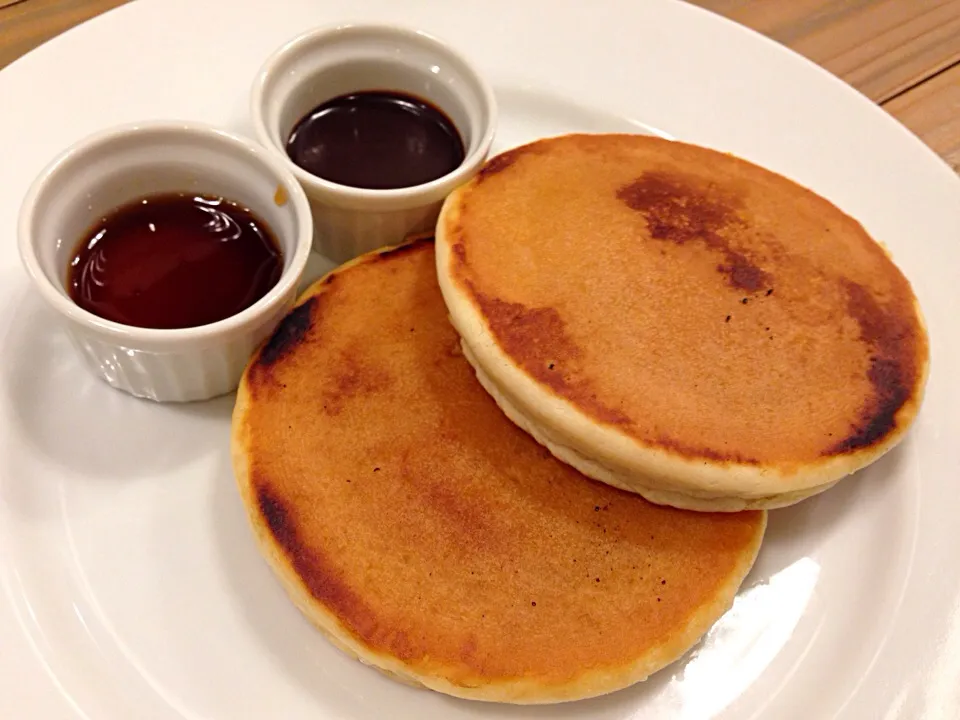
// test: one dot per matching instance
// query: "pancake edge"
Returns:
(649, 491)
(604, 453)
(522, 690)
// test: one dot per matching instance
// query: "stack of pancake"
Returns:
(684, 327)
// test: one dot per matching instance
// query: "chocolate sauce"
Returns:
(376, 140)
(174, 261)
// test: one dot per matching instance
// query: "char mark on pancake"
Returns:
(891, 334)
(679, 212)
(324, 581)
(537, 340)
(501, 162)
(289, 333)
(410, 245)
(704, 452)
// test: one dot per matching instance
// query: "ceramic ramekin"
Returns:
(116, 166)
(328, 62)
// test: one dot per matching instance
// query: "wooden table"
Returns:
(902, 54)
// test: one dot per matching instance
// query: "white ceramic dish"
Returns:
(326, 62)
(118, 165)
(130, 585)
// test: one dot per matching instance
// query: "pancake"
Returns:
(678, 322)
(428, 536)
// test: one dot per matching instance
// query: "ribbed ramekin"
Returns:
(116, 166)
(326, 62)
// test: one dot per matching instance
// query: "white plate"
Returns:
(131, 585)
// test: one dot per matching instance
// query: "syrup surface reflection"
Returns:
(174, 261)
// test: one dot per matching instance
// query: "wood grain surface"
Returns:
(932, 111)
(902, 54)
(28, 23)
(881, 47)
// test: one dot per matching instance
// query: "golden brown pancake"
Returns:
(428, 536)
(679, 322)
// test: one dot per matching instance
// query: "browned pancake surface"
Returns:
(698, 303)
(433, 529)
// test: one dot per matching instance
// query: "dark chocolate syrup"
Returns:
(376, 140)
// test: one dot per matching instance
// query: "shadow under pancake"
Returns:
(626, 703)
(73, 418)
(800, 530)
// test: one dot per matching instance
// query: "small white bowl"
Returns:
(325, 63)
(117, 166)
